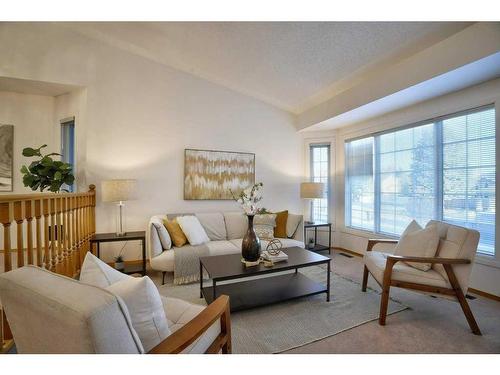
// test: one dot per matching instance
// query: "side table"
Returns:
(318, 247)
(129, 236)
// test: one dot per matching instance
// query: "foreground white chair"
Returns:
(50, 313)
(449, 275)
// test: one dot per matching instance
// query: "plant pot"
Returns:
(120, 266)
(250, 246)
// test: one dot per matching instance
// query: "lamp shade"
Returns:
(311, 190)
(119, 190)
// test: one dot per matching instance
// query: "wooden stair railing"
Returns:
(63, 223)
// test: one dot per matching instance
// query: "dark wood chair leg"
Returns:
(461, 299)
(384, 303)
(386, 286)
(163, 278)
(365, 279)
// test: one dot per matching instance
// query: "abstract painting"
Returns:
(210, 175)
(6, 156)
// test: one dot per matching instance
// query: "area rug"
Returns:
(283, 326)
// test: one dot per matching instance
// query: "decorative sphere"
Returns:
(274, 246)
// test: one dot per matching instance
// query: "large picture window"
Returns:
(442, 169)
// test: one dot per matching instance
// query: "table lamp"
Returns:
(310, 191)
(119, 191)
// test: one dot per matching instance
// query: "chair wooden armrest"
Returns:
(186, 335)
(432, 260)
(373, 241)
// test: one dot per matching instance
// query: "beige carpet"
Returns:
(283, 326)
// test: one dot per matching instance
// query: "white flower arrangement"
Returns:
(249, 197)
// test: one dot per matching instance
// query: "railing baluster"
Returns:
(18, 217)
(53, 243)
(29, 228)
(38, 233)
(46, 217)
(58, 238)
(6, 221)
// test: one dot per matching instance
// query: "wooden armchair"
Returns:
(50, 313)
(449, 275)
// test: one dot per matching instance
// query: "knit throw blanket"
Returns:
(187, 263)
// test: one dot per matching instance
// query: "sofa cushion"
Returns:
(145, 308)
(292, 224)
(375, 262)
(236, 224)
(286, 242)
(418, 242)
(165, 240)
(176, 234)
(97, 273)
(193, 230)
(214, 225)
(222, 247)
(164, 262)
(179, 312)
(280, 228)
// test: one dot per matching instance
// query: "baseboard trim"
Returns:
(470, 290)
(348, 251)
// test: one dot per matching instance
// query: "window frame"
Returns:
(312, 146)
(484, 258)
(68, 123)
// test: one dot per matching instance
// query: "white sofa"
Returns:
(225, 230)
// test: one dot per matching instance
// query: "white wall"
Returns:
(140, 116)
(486, 271)
(32, 117)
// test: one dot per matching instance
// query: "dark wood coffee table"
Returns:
(262, 291)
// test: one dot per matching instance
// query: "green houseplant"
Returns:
(45, 172)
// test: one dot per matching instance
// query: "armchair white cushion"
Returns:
(145, 307)
(97, 273)
(179, 313)
(375, 262)
(418, 242)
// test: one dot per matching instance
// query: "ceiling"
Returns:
(291, 65)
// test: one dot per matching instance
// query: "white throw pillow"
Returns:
(193, 230)
(165, 240)
(145, 307)
(418, 242)
(97, 273)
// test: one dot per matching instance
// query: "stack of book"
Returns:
(281, 257)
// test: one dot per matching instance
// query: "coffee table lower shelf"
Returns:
(264, 291)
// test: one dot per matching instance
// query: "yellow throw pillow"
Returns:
(280, 228)
(176, 234)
